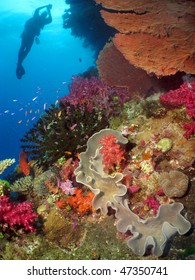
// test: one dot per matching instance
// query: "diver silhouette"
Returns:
(32, 29)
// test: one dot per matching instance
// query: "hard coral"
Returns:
(113, 154)
(5, 164)
(174, 183)
(17, 214)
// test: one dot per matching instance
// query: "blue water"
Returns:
(49, 67)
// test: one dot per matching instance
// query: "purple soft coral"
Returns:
(67, 187)
(94, 93)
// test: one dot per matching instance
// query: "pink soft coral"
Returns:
(113, 154)
(17, 214)
(152, 203)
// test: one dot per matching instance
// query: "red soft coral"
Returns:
(113, 154)
(190, 129)
(17, 214)
(185, 95)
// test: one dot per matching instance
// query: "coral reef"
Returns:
(109, 191)
(4, 164)
(86, 23)
(145, 37)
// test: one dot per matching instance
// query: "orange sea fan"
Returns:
(23, 163)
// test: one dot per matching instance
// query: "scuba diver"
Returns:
(32, 29)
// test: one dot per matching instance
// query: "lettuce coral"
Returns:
(110, 192)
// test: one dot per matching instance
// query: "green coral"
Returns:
(23, 184)
(4, 187)
(61, 129)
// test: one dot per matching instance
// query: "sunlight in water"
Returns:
(28, 6)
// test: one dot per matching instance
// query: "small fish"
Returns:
(80, 60)
(34, 98)
(44, 106)
(6, 111)
(73, 126)
(68, 152)
(15, 100)
(19, 121)
(33, 118)
(21, 109)
(30, 111)
(59, 114)
(57, 101)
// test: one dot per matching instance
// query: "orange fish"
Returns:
(23, 163)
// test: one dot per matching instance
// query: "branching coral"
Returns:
(61, 131)
(5, 164)
(109, 191)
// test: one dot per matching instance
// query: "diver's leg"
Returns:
(23, 52)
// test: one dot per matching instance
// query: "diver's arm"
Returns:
(36, 13)
(49, 18)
